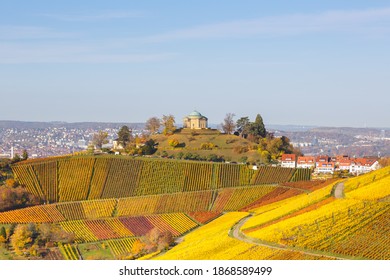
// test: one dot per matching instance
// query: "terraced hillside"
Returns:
(110, 204)
(89, 178)
(314, 225)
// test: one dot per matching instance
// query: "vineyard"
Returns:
(311, 225)
(108, 204)
(211, 242)
(90, 178)
(216, 201)
(123, 227)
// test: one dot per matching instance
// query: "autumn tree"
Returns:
(168, 122)
(21, 238)
(385, 161)
(12, 197)
(53, 233)
(138, 248)
(228, 124)
(11, 183)
(100, 138)
(157, 240)
(153, 125)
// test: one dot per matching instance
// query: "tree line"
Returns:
(270, 147)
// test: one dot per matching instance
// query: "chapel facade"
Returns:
(195, 120)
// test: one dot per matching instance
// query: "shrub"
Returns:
(180, 155)
(244, 159)
(11, 183)
(173, 142)
(207, 146)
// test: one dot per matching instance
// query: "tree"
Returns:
(157, 240)
(11, 183)
(16, 158)
(21, 238)
(3, 235)
(138, 248)
(385, 161)
(169, 124)
(124, 135)
(100, 138)
(24, 155)
(12, 197)
(228, 124)
(243, 125)
(153, 124)
(53, 233)
(149, 148)
(91, 148)
(257, 128)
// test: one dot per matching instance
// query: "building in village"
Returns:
(306, 162)
(327, 164)
(288, 160)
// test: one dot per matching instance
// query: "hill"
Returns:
(206, 143)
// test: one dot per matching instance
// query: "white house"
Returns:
(363, 165)
(324, 164)
(306, 162)
(325, 167)
(288, 160)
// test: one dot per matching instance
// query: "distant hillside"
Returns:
(77, 125)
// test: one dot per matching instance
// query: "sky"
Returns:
(321, 63)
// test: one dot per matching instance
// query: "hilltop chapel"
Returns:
(195, 120)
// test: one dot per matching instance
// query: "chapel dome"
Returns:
(195, 114)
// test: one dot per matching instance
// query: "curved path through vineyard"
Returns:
(237, 234)
(339, 190)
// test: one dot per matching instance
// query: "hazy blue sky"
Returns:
(296, 62)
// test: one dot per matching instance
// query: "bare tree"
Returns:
(99, 139)
(228, 124)
(153, 124)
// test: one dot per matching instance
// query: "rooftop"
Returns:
(195, 114)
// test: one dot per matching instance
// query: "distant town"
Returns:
(52, 139)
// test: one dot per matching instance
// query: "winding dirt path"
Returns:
(339, 190)
(237, 234)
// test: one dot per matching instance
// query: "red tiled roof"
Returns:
(323, 159)
(325, 164)
(288, 157)
(364, 161)
(303, 160)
